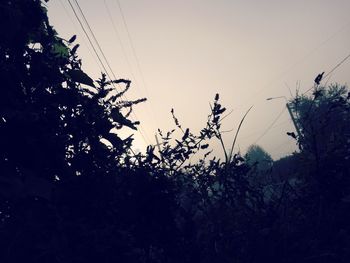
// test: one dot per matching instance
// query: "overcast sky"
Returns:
(188, 50)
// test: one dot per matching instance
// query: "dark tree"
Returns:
(256, 155)
(323, 120)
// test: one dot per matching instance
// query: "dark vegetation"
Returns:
(73, 191)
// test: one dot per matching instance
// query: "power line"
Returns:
(95, 51)
(279, 76)
(132, 45)
(75, 26)
(257, 132)
(119, 38)
(125, 53)
(141, 131)
(296, 63)
(110, 68)
(88, 37)
(329, 77)
(270, 126)
(95, 39)
(138, 64)
(331, 71)
(338, 65)
(286, 142)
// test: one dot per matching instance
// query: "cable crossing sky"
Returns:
(144, 136)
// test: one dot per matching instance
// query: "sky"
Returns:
(179, 54)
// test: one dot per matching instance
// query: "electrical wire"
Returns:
(67, 13)
(286, 142)
(138, 64)
(295, 64)
(88, 37)
(270, 126)
(331, 71)
(95, 39)
(257, 132)
(118, 38)
(95, 51)
(125, 55)
(279, 76)
(75, 26)
(145, 137)
(337, 66)
(132, 45)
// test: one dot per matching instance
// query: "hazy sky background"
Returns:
(188, 50)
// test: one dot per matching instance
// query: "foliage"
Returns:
(285, 167)
(257, 156)
(324, 123)
(52, 125)
(72, 190)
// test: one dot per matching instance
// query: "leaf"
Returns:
(206, 154)
(128, 141)
(222, 110)
(179, 143)
(118, 117)
(114, 140)
(74, 49)
(204, 146)
(60, 50)
(79, 76)
(72, 39)
(187, 132)
(292, 134)
(44, 9)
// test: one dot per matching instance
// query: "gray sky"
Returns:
(188, 50)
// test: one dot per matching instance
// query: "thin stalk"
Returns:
(236, 135)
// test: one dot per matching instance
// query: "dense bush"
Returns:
(71, 190)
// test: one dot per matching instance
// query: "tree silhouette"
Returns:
(324, 119)
(256, 155)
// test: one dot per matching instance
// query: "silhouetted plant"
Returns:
(324, 124)
(72, 190)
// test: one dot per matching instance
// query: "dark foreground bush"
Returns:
(72, 190)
